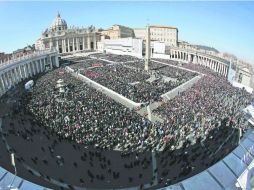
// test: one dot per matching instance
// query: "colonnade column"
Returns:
(37, 66)
(25, 70)
(13, 77)
(212, 66)
(94, 42)
(33, 68)
(189, 57)
(10, 78)
(3, 84)
(8, 74)
(5, 80)
(83, 43)
(57, 45)
(29, 69)
(20, 72)
(68, 43)
(41, 65)
(217, 67)
(88, 42)
(224, 70)
(17, 75)
(77, 43)
(73, 44)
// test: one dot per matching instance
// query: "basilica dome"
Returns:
(59, 24)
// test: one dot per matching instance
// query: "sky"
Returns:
(226, 26)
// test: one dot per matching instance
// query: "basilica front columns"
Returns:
(68, 42)
(83, 43)
(63, 46)
(78, 44)
(88, 43)
(56, 61)
(57, 45)
(73, 45)
(94, 42)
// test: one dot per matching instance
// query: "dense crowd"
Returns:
(133, 84)
(85, 64)
(129, 78)
(200, 124)
(166, 70)
(204, 106)
(191, 114)
(115, 58)
(87, 116)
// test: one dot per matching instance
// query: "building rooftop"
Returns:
(161, 26)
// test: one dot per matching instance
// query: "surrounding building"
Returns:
(17, 53)
(68, 40)
(124, 46)
(185, 45)
(166, 34)
(117, 31)
(140, 33)
(4, 57)
(23, 51)
(243, 76)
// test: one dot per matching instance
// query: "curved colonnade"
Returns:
(14, 71)
(215, 63)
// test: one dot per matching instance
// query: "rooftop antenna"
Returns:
(147, 56)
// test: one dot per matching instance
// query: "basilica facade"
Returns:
(68, 39)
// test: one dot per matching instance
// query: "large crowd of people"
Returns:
(88, 116)
(129, 78)
(204, 106)
(200, 125)
(115, 58)
(133, 84)
(91, 118)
